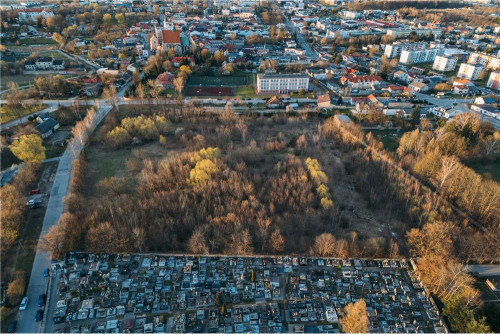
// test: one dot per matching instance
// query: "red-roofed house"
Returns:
(165, 80)
(361, 81)
(178, 61)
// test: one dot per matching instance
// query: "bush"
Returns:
(15, 290)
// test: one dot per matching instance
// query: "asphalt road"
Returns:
(309, 51)
(485, 269)
(38, 284)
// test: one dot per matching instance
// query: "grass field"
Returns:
(37, 40)
(8, 114)
(21, 80)
(390, 138)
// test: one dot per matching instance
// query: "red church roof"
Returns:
(171, 36)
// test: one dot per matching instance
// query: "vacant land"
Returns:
(200, 182)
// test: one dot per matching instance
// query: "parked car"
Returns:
(34, 191)
(39, 315)
(12, 327)
(24, 304)
(41, 300)
(46, 272)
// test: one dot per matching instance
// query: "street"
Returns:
(309, 51)
(37, 283)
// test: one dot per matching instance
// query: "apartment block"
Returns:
(470, 71)
(420, 56)
(494, 81)
(394, 50)
(282, 83)
(444, 64)
(491, 62)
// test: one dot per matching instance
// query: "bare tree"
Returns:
(179, 84)
(277, 241)
(197, 244)
(324, 245)
(449, 165)
(110, 94)
(139, 90)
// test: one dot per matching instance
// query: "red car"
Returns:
(34, 191)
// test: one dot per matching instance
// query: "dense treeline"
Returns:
(398, 4)
(435, 156)
(13, 204)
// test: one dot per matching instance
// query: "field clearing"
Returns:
(21, 80)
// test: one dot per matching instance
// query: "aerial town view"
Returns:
(236, 166)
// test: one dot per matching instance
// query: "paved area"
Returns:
(485, 270)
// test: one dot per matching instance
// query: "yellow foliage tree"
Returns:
(28, 148)
(355, 319)
(203, 171)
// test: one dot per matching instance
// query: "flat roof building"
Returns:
(282, 83)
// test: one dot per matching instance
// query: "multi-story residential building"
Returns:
(494, 81)
(394, 50)
(491, 62)
(470, 71)
(32, 14)
(420, 56)
(44, 64)
(444, 64)
(282, 83)
(222, 3)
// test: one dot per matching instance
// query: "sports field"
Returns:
(196, 80)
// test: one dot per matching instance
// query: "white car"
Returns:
(24, 304)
